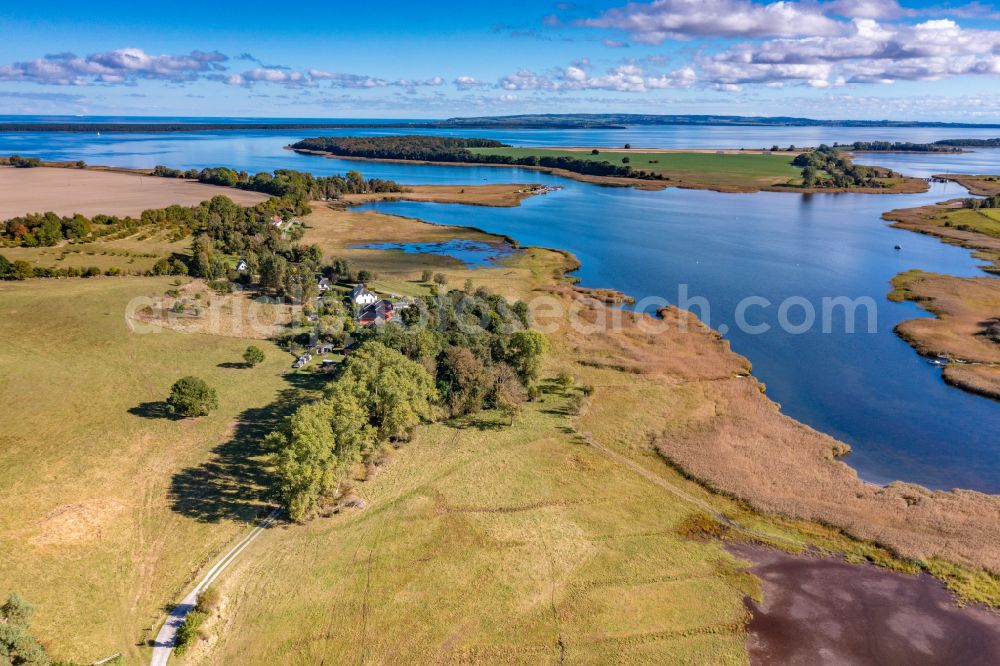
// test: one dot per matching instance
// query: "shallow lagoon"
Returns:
(474, 254)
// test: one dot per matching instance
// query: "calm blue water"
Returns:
(869, 389)
(473, 254)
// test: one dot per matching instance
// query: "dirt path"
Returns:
(163, 647)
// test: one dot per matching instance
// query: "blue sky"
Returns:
(837, 58)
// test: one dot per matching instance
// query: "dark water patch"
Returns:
(819, 611)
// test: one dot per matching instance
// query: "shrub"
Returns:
(191, 396)
(24, 162)
(253, 356)
(187, 632)
(208, 600)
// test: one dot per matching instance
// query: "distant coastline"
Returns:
(521, 122)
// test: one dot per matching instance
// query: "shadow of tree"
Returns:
(233, 366)
(154, 410)
(235, 482)
(480, 424)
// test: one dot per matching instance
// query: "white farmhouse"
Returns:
(361, 296)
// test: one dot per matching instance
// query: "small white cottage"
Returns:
(361, 296)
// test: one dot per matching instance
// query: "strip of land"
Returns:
(93, 192)
(721, 171)
(965, 335)
(965, 331)
(502, 195)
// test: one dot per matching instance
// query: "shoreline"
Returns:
(909, 185)
(776, 465)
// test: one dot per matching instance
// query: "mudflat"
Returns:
(92, 192)
(819, 610)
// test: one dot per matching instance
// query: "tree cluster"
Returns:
(452, 354)
(898, 147)
(453, 149)
(970, 143)
(23, 162)
(477, 347)
(380, 396)
(17, 645)
(826, 168)
(986, 202)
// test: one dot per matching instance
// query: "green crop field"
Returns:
(984, 220)
(723, 168)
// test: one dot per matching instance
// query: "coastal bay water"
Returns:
(869, 389)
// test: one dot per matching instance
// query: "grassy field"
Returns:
(729, 168)
(562, 538)
(135, 253)
(984, 220)
(110, 508)
(480, 542)
(483, 543)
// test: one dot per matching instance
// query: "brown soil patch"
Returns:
(738, 442)
(73, 524)
(818, 611)
(91, 191)
(502, 195)
(236, 315)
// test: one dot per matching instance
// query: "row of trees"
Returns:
(286, 182)
(987, 202)
(450, 355)
(452, 149)
(898, 147)
(22, 270)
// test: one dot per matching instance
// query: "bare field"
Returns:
(91, 192)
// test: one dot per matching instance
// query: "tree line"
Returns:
(285, 182)
(453, 149)
(986, 202)
(452, 354)
(899, 147)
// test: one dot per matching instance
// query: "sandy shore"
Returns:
(91, 192)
